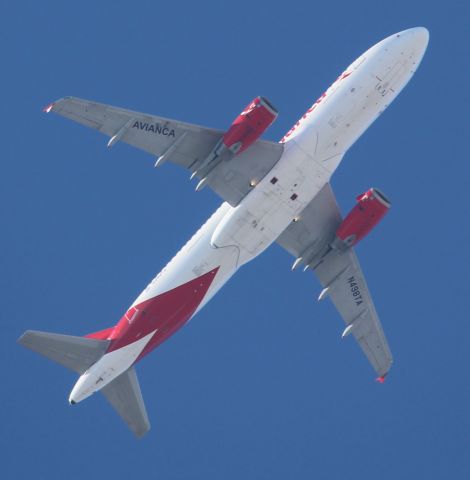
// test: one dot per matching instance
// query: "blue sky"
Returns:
(259, 385)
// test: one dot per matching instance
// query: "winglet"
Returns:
(48, 108)
(380, 379)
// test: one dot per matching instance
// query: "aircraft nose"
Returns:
(421, 36)
(418, 36)
(420, 31)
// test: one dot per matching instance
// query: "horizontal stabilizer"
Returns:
(75, 353)
(125, 396)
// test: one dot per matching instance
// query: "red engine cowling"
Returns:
(370, 208)
(250, 125)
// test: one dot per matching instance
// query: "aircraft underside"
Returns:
(272, 192)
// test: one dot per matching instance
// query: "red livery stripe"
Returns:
(165, 313)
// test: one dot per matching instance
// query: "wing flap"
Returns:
(125, 397)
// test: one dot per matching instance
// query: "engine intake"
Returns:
(250, 125)
(370, 209)
(246, 128)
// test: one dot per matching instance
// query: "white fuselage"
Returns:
(313, 150)
(235, 235)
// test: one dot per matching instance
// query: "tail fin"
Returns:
(102, 334)
(79, 354)
(124, 395)
(75, 353)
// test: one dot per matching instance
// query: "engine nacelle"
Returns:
(249, 125)
(370, 208)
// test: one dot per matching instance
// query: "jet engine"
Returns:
(246, 128)
(250, 125)
(370, 208)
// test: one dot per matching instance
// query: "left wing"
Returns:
(339, 272)
(182, 143)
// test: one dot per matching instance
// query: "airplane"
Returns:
(273, 192)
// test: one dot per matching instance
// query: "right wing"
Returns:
(182, 143)
(343, 281)
(309, 240)
(125, 397)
